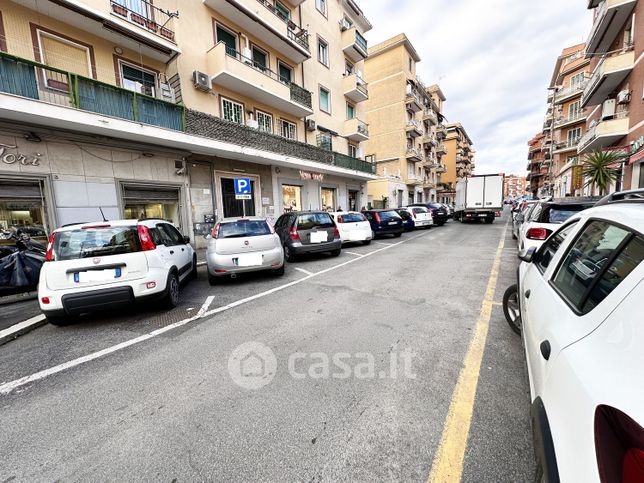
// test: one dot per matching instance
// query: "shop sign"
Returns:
(637, 145)
(577, 178)
(308, 176)
(11, 158)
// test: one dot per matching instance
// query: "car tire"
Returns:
(289, 255)
(171, 298)
(61, 321)
(278, 272)
(212, 280)
(511, 309)
(336, 253)
(398, 235)
(366, 242)
(489, 220)
(441, 223)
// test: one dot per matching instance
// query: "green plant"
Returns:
(599, 170)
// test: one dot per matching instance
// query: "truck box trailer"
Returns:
(479, 197)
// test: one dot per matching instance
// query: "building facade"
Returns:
(537, 167)
(152, 110)
(614, 95)
(514, 186)
(458, 160)
(405, 124)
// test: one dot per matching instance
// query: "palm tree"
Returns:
(599, 171)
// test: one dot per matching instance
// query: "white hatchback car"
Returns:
(421, 216)
(243, 245)
(353, 227)
(103, 265)
(580, 306)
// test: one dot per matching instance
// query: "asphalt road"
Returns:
(165, 406)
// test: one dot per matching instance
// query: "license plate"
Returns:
(319, 236)
(393, 222)
(482, 215)
(249, 260)
(97, 275)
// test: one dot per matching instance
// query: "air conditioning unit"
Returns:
(608, 108)
(201, 81)
(624, 97)
(252, 123)
(166, 92)
(310, 125)
(344, 24)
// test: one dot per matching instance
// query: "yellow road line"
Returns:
(448, 461)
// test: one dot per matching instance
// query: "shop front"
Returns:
(23, 208)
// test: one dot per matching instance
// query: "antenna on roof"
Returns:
(102, 214)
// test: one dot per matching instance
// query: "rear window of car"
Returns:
(243, 229)
(436, 206)
(352, 217)
(96, 242)
(419, 210)
(313, 220)
(388, 216)
(559, 214)
(404, 214)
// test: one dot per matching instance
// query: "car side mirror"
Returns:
(527, 255)
(520, 218)
(186, 239)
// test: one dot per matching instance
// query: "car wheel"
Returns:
(366, 242)
(61, 321)
(288, 254)
(441, 223)
(172, 292)
(398, 235)
(212, 280)
(489, 220)
(511, 308)
(336, 253)
(279, 271)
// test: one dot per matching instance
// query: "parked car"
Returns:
(519, 214)
(353, 227)
(449, 209)
(97, 266)
(408, 221)
(241, 246)
(385, 222)
(546, 216)
(420, 216)
(304, 232)
(438, 212)
(578, 305)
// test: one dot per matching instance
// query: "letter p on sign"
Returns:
(242, 186)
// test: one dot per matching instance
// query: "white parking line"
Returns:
(306, 272)
(8, 387)
(353, 253)
(383, 243)
(206, 305)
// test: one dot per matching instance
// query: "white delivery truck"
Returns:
(479, 197)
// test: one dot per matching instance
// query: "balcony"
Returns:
(148, 31)
(575, 118)
(428, 184)
(608, 75)
(413, 180)
(233, 71)
(609, 20)
(36, 81)
(414, 128)
(414, 154)
(429, 139)
(605, 133)
(266, 23)
(430, 115)
(413, 100)
(355, 88)
(356, 130)
(441, 169)
(348, 162)
(441, 132)
(354, 45)
(569, 92)
(441, 149)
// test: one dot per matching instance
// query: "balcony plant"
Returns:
(119, 10)
(599, 170)
(151, 25)
(167, 33)
(136, 18)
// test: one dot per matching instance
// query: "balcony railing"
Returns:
(568, 91)
(38, 81)
(344, 161)
(414, 153)
(440, 148)
(430, 115)
(146, 16)
(295, 33)
(416, 124)
(571, 118)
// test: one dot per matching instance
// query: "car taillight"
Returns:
(619, 444)
(339, 218)
(336, 232)
(145, 238)
(537, 234)
(215, 231)
(377, 217)
(49, 255)
(294, 234)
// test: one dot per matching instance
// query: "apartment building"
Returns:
(153, 110)
(537, 167)
(565, 121)
(403, 116)
(514, 186)
(458, 160)
(613, 95)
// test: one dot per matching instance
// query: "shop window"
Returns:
(151, 202)
(232, 111)
(138, 80)
(22, 210)
(291, 198)
(328, 199)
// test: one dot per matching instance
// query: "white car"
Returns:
(243, 245)
(103, 265)
(580, 313)
(353, 227)
(519, 215)
(421, 216)
(546, 216)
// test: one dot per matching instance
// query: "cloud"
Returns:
(492, 59)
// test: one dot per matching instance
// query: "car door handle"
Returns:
(545, 349)
(183, 249)
(527, 294)
(171, 252)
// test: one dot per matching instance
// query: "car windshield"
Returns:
(96, 242)
(352, 217)
(559, 214)
(388, 216)
(243, 229)
(312, 220)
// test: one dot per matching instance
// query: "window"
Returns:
(291, 198)
(260, 58)
(224, 35)
(351, 111)
(323, 52)
(232, 111)
(137, 6)
(577, 80)
(587, 261)
(328, 199)
(265, 121)
(170, 235)
(573, 136)
(574, 110)
(325, 100)
(96, 242)
(348, 68)
(550, 247)
(411, 64)
(285, 72)
(288, 129)
(282, 11)
(63, 54)
(321, 6)
(138, 80)
(353, 150)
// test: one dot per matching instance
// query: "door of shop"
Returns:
(22, 209)
(234, 208)
(151, 201)
(353, 200)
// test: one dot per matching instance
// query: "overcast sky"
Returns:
(493, 60)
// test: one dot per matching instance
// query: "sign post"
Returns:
(243, 191)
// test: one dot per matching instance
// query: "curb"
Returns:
(20, 328)
(19, 297)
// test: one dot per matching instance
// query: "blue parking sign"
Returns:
(242, 186)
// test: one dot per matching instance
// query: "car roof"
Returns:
(240, 218)
(130, 222)
(630, 215)
(379, 210)
(311, 212)
(344, 213)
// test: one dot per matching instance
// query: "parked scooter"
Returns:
(20, 264)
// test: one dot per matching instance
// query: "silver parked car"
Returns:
(243, 245)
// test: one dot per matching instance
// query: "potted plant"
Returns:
(119, 9)
(136, 18)
(167, 33)
(151, 25)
